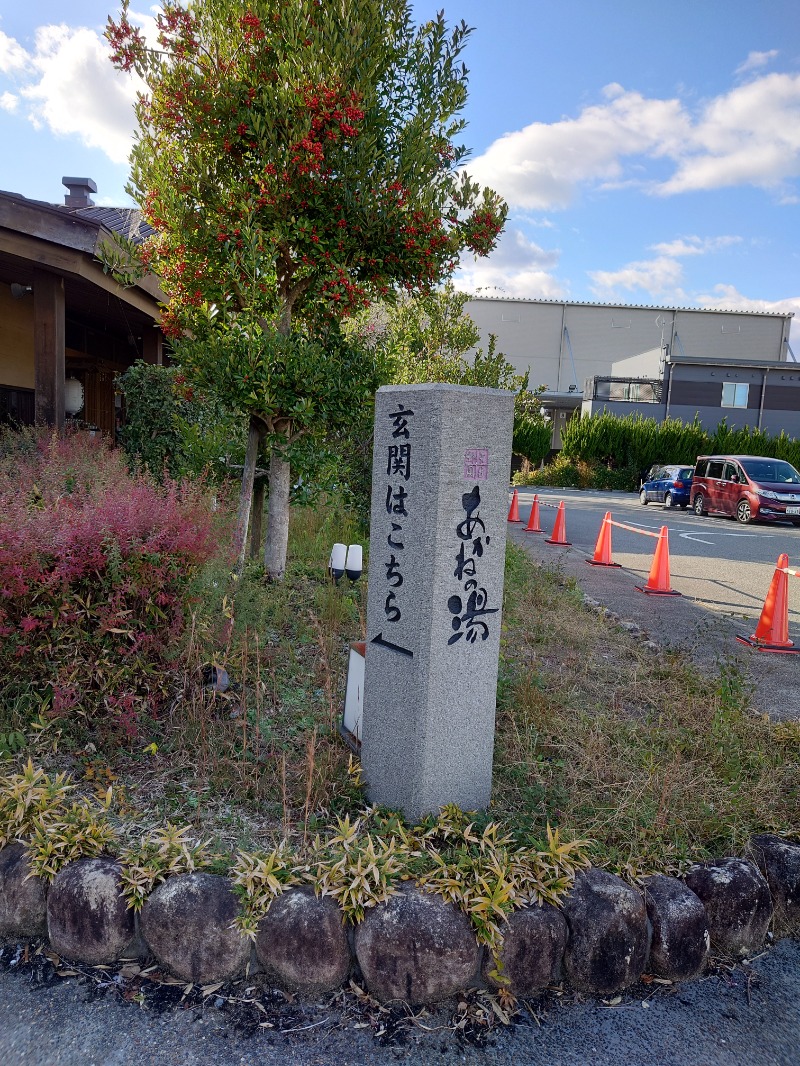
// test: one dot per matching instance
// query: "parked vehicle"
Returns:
(746, 487)
(668, 485)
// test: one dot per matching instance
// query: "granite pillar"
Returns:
(441, 469)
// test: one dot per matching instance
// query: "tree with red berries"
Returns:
(296, 160)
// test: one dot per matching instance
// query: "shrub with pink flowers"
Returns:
(95, 567)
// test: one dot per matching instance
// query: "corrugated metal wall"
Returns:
(529, 334)
(729, 337)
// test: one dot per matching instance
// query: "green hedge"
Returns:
(636, 442)
(609, 452)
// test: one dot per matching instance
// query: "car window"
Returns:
(731, 470)
(775, 470)
(700, 468)
(684, 473)
(715, 468)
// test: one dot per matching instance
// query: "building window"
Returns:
(17, 406)
(734, 395)
(623, 390)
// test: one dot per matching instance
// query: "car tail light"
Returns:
(678, 484)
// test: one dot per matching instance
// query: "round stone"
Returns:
(23, 899)
(532, 952)
(187, 924)
(416, 947)
(681, 941)
(302, 943)
(737, 902)
(778, 860)
(608, 933)
(88, 919)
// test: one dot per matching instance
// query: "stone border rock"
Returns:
(415, 947)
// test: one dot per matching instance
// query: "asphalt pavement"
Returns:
(740, 1016)
(717, 562)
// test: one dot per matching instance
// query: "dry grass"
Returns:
(637, 751)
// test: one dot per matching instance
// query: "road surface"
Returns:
(748, 1016)
(720, 564)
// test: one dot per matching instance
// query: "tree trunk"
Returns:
(280, 483)
(246, 494)
(257, 524)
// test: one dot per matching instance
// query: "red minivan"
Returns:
(746, 487)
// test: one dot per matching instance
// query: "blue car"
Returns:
(667, 485)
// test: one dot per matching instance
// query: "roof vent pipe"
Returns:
(79, 192)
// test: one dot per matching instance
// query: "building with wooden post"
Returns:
(66, 327)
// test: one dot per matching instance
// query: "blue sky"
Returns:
(650, 153)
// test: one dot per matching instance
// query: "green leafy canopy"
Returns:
(295, 161)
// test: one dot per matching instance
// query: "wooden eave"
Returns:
(34, 234)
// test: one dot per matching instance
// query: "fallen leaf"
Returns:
(208, 989)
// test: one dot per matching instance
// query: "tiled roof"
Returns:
(125, 220)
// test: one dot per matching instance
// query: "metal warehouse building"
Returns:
(663, 362)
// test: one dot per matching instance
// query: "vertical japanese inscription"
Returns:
(470, 608)
(399, 481)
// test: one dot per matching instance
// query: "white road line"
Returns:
(712, 533)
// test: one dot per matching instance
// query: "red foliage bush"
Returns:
(95, 566)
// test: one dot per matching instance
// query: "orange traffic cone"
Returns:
(513, 511)
(772, 631)
(559, 529)
(602, 550)
(658, 581)
(533, 525)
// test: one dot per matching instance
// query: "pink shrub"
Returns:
(94, 570)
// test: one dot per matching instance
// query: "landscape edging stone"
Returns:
(23, 899)
(450, 960)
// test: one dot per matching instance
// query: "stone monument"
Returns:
(440, 473)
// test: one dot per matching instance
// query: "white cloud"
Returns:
(750, 136)
(726, 297)
(747, 136)
(541, 166)
(662, 276)
(13, 57)
(77, 91)
(517, 267)
(756, 60)
(694, 245)
(70, 87)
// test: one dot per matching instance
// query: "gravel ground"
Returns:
(743, 1016)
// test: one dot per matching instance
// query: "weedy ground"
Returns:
(635, 751)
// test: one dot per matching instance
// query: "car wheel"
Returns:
(668, 501)
(700, 505)
(643, 498)
(743, 512)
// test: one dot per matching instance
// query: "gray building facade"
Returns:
(658, 361)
